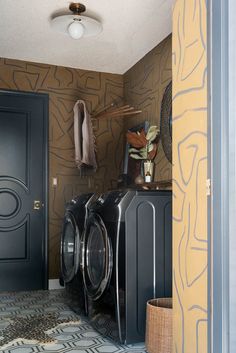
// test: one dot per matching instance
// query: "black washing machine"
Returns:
(127, 260)
(70, 259)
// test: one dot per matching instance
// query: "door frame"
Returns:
(222, 167)
(45, 101)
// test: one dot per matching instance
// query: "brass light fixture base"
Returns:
(64, 21)
(77, 8)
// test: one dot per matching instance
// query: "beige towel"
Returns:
(83, 137)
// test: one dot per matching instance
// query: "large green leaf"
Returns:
(150, 147)
(152, 133)
(138, 156)
(138, 153)
(137, 150)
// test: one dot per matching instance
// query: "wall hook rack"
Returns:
(117, 112)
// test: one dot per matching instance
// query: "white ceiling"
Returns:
(131, 28)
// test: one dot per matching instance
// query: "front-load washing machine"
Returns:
(127, 252)
(73, 227)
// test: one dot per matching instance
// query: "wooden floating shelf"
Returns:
(155, 185)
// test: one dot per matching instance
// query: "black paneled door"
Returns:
(23, 185)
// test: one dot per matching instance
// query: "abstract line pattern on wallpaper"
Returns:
(145, 84)
(190, 248)
(65, 86)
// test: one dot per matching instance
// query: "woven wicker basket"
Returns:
(159, 326)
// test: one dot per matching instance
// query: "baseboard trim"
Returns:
(54, 284)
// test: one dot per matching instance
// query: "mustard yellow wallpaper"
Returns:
(64, 87)
(144, 86)
(190, 245)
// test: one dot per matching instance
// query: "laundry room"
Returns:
(102, 171)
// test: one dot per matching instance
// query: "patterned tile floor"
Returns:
(78, 337)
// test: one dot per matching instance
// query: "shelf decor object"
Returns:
(166, 122)
(76, 25)
(148, 167)
(143, 146)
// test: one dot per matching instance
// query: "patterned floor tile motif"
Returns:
(52, 308)
(31, 328)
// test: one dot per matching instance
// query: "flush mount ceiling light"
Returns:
(76, 25)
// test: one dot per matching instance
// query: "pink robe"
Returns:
(84, 138)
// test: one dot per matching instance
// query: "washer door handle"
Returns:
(82, 265)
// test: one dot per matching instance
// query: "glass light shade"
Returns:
(76, 30)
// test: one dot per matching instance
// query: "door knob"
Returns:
(37, 205)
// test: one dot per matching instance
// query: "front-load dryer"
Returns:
(127, 252)
(70, 254)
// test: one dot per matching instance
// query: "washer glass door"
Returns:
(69, 261)
(97, 257)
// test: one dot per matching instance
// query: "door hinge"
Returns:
(208, 187)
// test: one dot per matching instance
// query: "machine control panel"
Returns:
(111, 198)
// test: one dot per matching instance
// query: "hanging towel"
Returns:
(84, 138)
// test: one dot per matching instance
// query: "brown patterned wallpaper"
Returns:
(65, 86)
(144, 86)
(190, 123)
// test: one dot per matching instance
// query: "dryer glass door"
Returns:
(97, 257)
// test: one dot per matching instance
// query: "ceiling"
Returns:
(131, 28)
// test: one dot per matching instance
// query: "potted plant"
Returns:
(144, 146)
